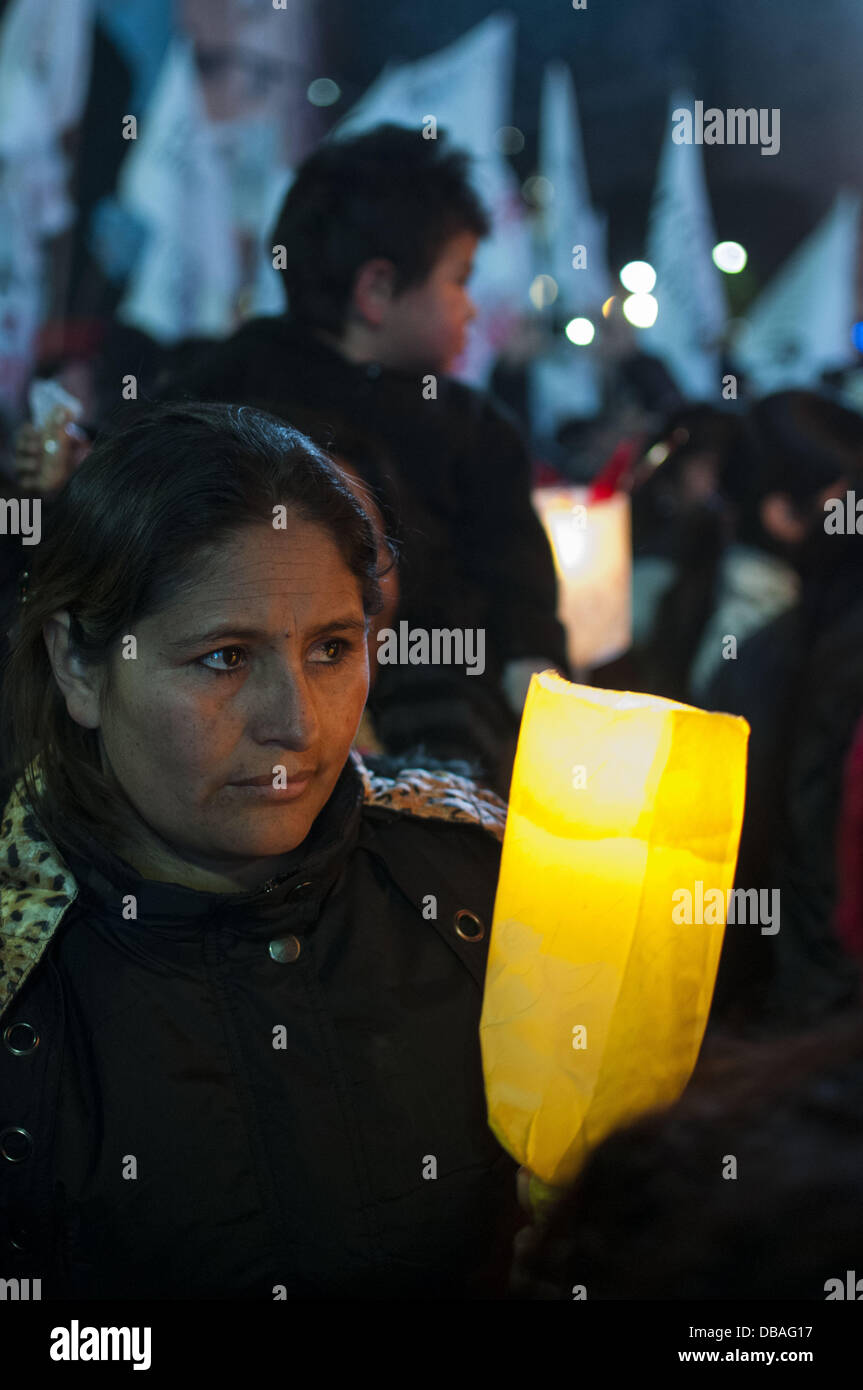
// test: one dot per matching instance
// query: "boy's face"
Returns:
(426, 326)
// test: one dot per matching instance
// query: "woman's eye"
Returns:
(229, 657)
(334, 650)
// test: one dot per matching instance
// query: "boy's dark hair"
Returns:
(387, 192)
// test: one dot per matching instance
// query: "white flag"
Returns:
(187, 279)
(21, 288)
(267, 293)
(680, 239)
(466, 87)
(250, 150)
(569, 221)
(45, 54)
(800, 325)
(565, 382)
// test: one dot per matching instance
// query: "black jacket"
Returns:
(456, 474)
(799, 682)
(277, 1094)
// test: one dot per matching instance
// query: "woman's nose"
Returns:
(285, 710)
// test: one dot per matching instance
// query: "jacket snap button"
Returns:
(468, 918)
(18, 1238)
(16, 1144)
(20, 1038)
(285, 949)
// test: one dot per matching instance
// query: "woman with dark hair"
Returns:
(240, 974)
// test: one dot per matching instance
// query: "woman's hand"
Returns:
(45, 458)
(522, 1184)
(28, 457)
(524, 1280)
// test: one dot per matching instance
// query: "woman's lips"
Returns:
(273, 787)
(268, 778)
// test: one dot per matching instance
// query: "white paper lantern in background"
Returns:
(592, 549)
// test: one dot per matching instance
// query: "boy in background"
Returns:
(376, 239)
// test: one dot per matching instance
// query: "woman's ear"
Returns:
(80, 684)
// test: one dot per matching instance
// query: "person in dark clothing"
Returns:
(747, 1188)
(799, 683)
(849, 903)
(258, 961)
(375, 240)
(680, 534)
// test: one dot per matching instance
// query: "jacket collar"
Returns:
(37, 885)
(303, 342)
(307, 874)
(36, 889)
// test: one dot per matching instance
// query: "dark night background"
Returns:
(625, 56)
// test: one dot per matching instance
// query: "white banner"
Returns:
(187, 279)
(45, 54)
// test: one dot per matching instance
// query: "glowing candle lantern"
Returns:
(598, 988)
(591, 545)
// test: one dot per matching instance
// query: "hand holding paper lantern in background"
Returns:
(595, 999)
(49, 450)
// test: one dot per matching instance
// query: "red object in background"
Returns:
(610, 478)
(543, 475)
(79, 338)
(848, 920)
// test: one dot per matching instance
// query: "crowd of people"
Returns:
(279, 984)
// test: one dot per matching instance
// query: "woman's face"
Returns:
(261, 665)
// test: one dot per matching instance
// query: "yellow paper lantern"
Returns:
(597, 993)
